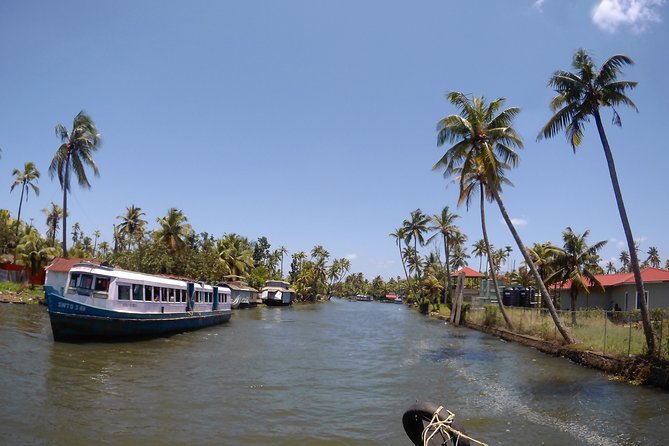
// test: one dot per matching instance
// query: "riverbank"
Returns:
(13, 293)
(638, 370)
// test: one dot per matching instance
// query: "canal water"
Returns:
(337, 373)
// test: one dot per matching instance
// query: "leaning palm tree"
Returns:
(581, 95)
(75, 153)
(443, 224)
(26, 180)
(578, 265)
(173, 230)
(484, 149)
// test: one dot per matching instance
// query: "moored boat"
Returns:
(104, 303)
(277, 293)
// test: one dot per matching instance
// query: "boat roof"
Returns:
(135, 276)
(276, 288)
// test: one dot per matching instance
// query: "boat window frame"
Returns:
(134, 296)
(119, 295)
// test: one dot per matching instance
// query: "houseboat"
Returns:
(242, 295)
(104, 303)
(277, 293)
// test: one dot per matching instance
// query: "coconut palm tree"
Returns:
(610, 268)
(414, 228)
(96, 234)
(53, 217)
(484, 149)
(624, 258)
(27, 180)
(74, 154)
(173, 230)
(443, 224)
(479, 251)
(132, 225)
(400, 235)
(578, 265)
(653, 257)
(33, 251)
(580, 95)
(236, 254)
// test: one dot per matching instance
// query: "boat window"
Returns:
(85, 281)
(180, 296)
(148, 292)
(136, 292)
(124, 292)
(74, 277)
(163, 294)
(156, 294)
(171, 294)
(102, 284)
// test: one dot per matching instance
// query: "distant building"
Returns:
(620, 290)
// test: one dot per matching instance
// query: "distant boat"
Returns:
(364, 298)
(398, 300)
(277, 293)
(104, 303)
(242, 295)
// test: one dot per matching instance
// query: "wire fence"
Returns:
(619, 333)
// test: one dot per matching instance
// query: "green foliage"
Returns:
(491, 316)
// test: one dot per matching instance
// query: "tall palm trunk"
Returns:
(420, 282)
(491, 264)
(65, 184)
(530, 264)
(18, 217)
(573, 293)
(399, 246)
(447, 291)
(634, 259)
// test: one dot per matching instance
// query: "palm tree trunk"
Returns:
(573, 293)
(491, 264)
(415, 256)
(634, 259)
(18, 217)
(66, 182)
(399, 246)
(447, 291)
(530, 264)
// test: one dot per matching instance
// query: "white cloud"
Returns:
(609, 15)
(538, 5)
(351, 256)
(519, 221)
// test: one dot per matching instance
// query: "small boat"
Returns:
(277, 293)
(428, 425)
(104, 303)
(398, 300)
(243, 296)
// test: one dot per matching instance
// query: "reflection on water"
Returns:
(338, 373)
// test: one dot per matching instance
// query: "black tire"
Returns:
(418, 416)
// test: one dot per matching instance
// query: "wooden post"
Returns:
(459, 290)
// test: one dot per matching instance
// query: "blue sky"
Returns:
(313, 122)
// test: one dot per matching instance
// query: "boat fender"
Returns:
(418, 416)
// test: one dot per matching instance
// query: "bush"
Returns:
(491, 315)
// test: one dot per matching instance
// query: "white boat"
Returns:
(277, 293)
(104, 303)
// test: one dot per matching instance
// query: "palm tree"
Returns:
(53, 217)
(132, 225)
(104, 248)
(610, 267)
(34, 252)
(282, 250)
(479, 251)
(236, 254)
(173, 230)
(25, 179)
(580, 95)
(578, 265)
(653, 257)
(484, 149)
(96, 234)
(399, 235)
(442, 224)
(414, 229)
(75, 153)
(624, 261)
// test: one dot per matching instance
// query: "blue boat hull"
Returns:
(74, 322)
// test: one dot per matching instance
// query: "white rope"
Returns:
(446, 429)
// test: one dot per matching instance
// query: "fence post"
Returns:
(629, 337)
(605, 318)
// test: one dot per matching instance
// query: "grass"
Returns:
(594, 329)
(21, 292)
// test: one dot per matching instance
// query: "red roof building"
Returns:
(469, 273)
